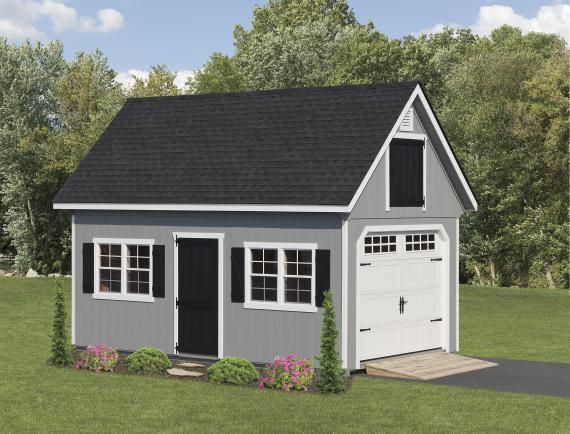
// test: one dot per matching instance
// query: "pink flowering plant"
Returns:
(287, 373)
(98, 358)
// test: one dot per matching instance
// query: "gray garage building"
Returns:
(211, 225)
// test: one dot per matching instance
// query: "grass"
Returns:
(35, 397)
(515, 323)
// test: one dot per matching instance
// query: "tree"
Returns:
(330, 377)
(28, 122)
(60, 345)
(220, 74)
(160, 82)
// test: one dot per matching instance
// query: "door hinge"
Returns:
(177, 348)
(436, 259)
(365, 330)
(364, 264)
(176, 302)
(176, 240)
(436, 320)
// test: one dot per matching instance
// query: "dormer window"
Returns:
(407, 173)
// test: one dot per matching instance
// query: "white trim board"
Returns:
(416, 93)
(73, 277)
(208, 235)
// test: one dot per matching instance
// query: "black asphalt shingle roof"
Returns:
(279, 147)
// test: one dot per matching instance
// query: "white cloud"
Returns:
(19, 19)
(181, 77)
(110, 20)
(548, 19)
(126, 77)
(127, 80)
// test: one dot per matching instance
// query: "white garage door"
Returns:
(400, 291)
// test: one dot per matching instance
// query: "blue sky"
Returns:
(135, 34)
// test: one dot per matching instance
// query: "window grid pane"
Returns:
(138, 269)
(380, 244)
(109, 267)
(298, 275)
(264, 274)
(419, 242)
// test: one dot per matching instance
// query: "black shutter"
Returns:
(323, 278)
(158, 271)
(88, 272)
(406, 173)
(238, 270)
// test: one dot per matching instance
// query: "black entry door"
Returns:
(198, 296)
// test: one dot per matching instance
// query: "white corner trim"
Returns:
(210, 235)
(387, 178)
(123, 297)
(456, 286)
(199, 207)
(286, 307)
(344, 293)
(73, 277)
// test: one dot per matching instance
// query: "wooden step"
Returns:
(425, 366)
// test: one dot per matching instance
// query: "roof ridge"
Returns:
(282, 91)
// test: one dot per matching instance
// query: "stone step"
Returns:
(177, 372)
(190, 365)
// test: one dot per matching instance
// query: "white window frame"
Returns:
(412, 136)
(123, 295)
(280, 304)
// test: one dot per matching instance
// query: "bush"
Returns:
(148, 360)
(287, 373)
(234, 370)
(60, 344)
(331, 374)
(98, 358)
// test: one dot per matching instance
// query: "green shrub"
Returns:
(330, 375)
(60, 344)
(234, 370)
(148, 360)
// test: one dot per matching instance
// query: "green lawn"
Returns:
(515, 323)
(35, 397)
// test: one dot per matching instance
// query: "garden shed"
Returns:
(211, 225)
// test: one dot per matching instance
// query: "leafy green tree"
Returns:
(29, 119)
(220, 74)
(60, 344)
(160, 82)
(330, 376)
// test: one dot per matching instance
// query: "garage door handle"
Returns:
(363, 264)
(365, 330)
(436, 320)
(436, 259)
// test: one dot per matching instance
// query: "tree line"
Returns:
(502, 100)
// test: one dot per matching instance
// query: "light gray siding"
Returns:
(254, 334)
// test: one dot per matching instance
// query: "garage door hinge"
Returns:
(176, 302)
(365, 330)
(177, 348)
(436, 259)
(364, 264)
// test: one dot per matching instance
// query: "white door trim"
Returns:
(344, 293)
(208, 235)
(445, 254)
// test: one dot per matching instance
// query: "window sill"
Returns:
(259, 305)
(124, 297)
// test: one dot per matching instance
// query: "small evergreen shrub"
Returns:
(148, 360)
(287, 373)
(98, 358)
(60, 344)
(234, 370)
(331, 375)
